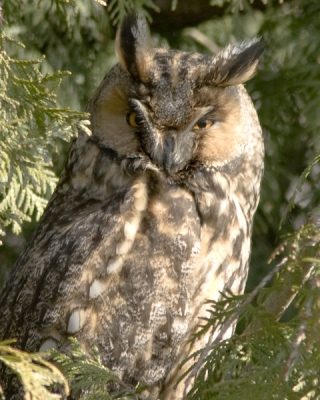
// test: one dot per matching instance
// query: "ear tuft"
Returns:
(133, 47)
(236, 64)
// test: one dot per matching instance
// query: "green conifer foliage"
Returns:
(30, 126)
(275, 353)
(36, 374)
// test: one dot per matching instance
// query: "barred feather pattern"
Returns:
(151, 217)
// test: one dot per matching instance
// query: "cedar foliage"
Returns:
(31, 123)
(36, 374)
(275, 353)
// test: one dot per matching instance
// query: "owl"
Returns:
(151, 218)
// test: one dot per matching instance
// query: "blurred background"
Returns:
(41, 103)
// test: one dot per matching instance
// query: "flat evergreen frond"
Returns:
(120, 8)
(241, 368)
(30, 123)
(273, 357)
(89, 378)
(36, 374)
(73, 35)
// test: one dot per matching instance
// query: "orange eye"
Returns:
(203, 124)
(134, 120)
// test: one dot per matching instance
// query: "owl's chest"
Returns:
(165, 254)
(178, 258)
(164, 282)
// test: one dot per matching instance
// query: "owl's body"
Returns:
(152, 216)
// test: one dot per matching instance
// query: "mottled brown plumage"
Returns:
(151, 217)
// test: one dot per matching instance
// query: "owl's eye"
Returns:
(204, 123)
(134, 120)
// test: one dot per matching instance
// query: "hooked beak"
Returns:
(169, 154)
(177, 151)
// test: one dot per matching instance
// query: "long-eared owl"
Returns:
(152, 215)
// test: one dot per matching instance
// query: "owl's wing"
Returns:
(112, 263)
(85, 232)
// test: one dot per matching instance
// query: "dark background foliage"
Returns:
(78, 36)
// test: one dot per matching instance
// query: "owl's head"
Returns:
(179, 109)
